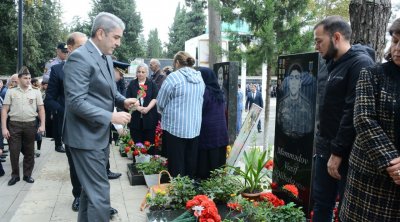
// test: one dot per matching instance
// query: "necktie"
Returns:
(105, 61)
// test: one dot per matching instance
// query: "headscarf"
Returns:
(211, 82)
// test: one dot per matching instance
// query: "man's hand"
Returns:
(394, 170)
(120, 118)
(333, 166)
(41, 130)
(6, 133)
(131, 102)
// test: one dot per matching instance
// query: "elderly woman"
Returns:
(373, 183)
(180, 103)
(144, 118)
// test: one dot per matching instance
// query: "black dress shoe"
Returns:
(112, 175)
(4, 155)
(75, 204)
(113, 211)
(2, 160)
(13, 181)
(28, 179)
(2, 172)
(5, 151)
(60, 149)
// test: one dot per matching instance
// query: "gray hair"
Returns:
(156, 61)
(106, 21)
(71, 37)
(145, 66)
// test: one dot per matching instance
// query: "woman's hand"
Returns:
(394, 170)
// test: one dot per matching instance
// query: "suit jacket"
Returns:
(55, 99)
(257, 100)
(90, 96)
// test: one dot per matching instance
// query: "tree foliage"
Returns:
(42, 30)
(126, 10)
(154, 48)
(186, 25)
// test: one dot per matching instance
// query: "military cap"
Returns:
(62, 46)
(121, 66)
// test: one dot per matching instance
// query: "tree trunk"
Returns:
(266, 109)
(369, 19)
(214, 41)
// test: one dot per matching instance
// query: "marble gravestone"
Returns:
(227, 75)
(295, 126)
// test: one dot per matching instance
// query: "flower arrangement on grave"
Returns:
(141, 148)
(269, 207)
(158, 136)
(201, 208)
(154, 166)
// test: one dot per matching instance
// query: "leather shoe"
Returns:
(75, 204)
(13, 181)
(2, 160)
(28, 179)
(2, 172)
(5, 151)
(113, 211)
(4, 155)
(60, 149)
(112, 175)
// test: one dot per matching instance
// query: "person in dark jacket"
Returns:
(254, 96)
(336, 132)
(144, 118)
(213, 132)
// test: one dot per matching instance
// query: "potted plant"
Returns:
(125, 144)
(253, 172)
(139, 151)
(152, 168)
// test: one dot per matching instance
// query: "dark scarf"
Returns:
(210, 79)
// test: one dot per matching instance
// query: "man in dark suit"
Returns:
(90, 97)
(254, 97)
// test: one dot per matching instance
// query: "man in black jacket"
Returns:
(254, 97)
(336, 132)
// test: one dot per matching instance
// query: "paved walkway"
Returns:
(50, 197)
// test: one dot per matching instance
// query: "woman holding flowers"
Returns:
(144, 118)
(180, 103)
(372, 190)
(214, 133)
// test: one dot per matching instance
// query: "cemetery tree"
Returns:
(126, 10)
(154, 48)
(8, 40)
(369, 20)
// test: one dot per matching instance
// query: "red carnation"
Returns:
(235, 206)
(136, 152)
(130, 142)
(274, 200)
(143, 150)
(127, 149)
(292, 189)
(269, 165)
(147, 143)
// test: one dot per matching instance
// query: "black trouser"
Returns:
(182, 154)
(76, 185)
(57, 127)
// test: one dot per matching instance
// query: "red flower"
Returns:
(144, 87)
(147, 143)
(210, 211)
(143, 150)
(136, 152)
(269, 165)
(127, 149)
(274, 200)
(292, 189)
(274, 185)
(130, 142)
(235, 206)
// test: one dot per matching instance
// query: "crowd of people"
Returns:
(357, 156)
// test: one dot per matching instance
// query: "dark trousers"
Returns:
(326, 188)
(22, 131)
(90, 166)
(209, 160)
(141, 134)
(76, 185)
(182, 154)
(57, 128)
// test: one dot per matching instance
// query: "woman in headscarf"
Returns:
(213, 133)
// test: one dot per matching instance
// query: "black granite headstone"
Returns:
(227, 74)
(295, 124)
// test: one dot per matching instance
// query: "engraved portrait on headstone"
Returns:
(295, 114)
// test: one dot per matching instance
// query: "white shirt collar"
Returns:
(95, 46)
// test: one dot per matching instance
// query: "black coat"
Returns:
(151, 118)
(257, 100)
(55, 99)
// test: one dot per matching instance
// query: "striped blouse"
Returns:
(180, 102)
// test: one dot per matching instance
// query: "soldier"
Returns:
(62, 53)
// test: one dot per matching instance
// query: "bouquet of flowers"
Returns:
(200, 208)
(141, 148)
